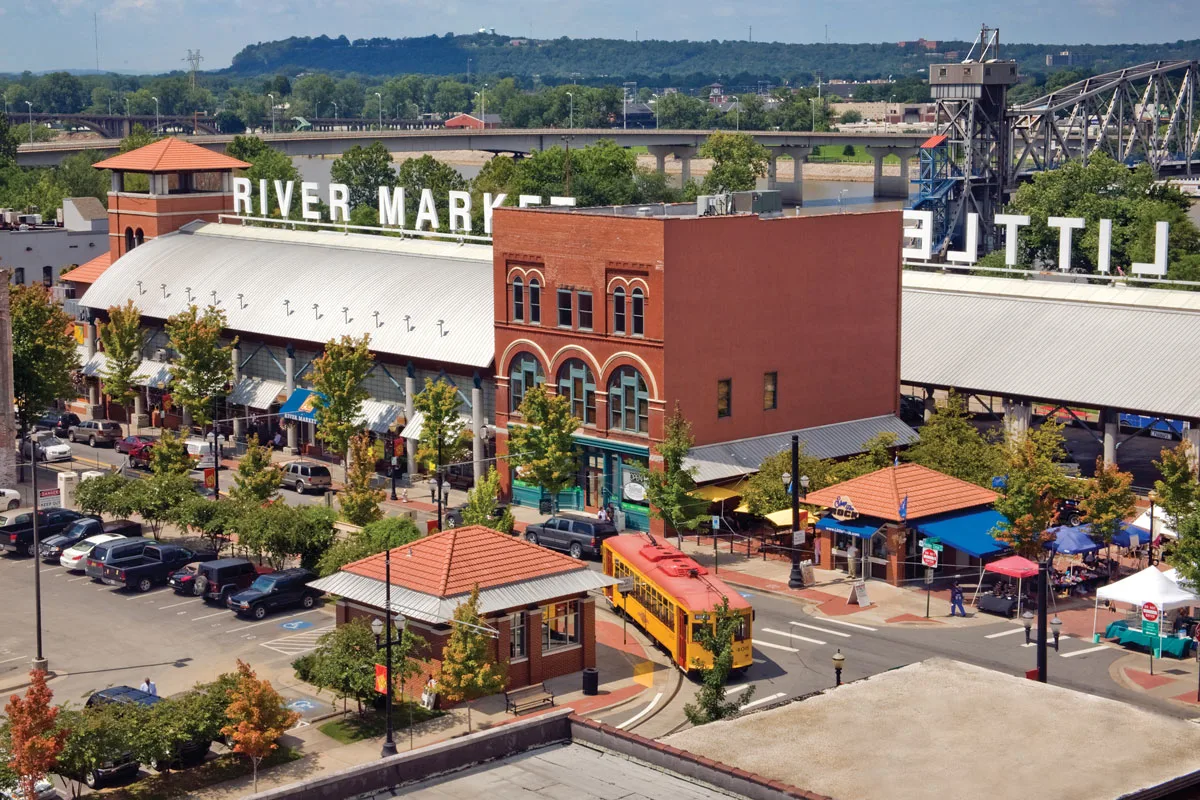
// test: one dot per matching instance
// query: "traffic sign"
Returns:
(49, 498)
(1149, 612)
(929, 557)
(931, 544)
(1150, 628)
(797, 538)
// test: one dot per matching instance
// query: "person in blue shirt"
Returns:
(956, 600)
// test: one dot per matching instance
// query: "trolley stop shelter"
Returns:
(535, 602)
(1153, 593)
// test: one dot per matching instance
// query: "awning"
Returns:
(381, 417)
(713, 494)
(413, 429)
(863, 529)
(155, 374)
(1071, 541)
(300, 406)
(1014, 567)
(1148, 586)
(783, 519)
(256, 392)
(968, 531)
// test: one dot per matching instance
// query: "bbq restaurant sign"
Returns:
(393, 204)
(920, 236)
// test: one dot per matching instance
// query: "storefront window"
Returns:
(618, 310)
(577, 384)
(628, 402)
(844, 541)
(560, 625)
(769, 381)
(516, 643)
(525, 373)
(518, 300)
(879, 546)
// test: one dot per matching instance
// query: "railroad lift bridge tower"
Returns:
(966, 167)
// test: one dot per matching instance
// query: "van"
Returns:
(116, 553)
(200, 452)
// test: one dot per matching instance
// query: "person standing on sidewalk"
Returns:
(956, 600)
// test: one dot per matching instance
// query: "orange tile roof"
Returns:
(452, 562)
(89, 271)
(878, 494)
(171, 155)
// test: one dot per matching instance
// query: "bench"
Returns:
(528, 697)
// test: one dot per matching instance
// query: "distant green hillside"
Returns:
(659, 62)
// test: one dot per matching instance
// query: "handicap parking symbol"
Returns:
(302, 705)
(297, 625)
(746, 595)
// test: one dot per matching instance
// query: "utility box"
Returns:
(768, 201)
(67, 481)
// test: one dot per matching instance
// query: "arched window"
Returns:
(638, 312)
(518, 300)
(129, 242)
(618, 310)
(141, 237)
(577, 384)
(525, 373)
(535, 302)
(628, 402)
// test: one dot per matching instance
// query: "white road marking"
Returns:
(209, 616)
(77, 580)
(297, 643)
(18, 658)
(641, 713)
(1049, 640)
(822, 630)
(850, 624)
(760, 643)
(1004, 633)
(769, 698)
(267, 622)
(184, 603)
(791, 636)
(1095, 649)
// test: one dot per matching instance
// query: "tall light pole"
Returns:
(483, 104)
(655, 111)
(30, 120)
(381, 628)
(272, 111)
(39, 659)
(6, 106)
(571, 97)
(335, 113)
(795, 481)
(379, 97)
(156, 120)
(737, 113)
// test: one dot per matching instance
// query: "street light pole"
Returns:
(389, 743)
(796, 578)
(737, 114)
(438, 467)
(1041, 616)
(572, 113)
(335, 113)
(272, 111)
(30, 120)
(156, 120)
(380, 98)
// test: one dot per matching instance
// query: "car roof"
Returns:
(137, 540)
(290, 573)
(99, 538)
(227, 562)
(127, 694)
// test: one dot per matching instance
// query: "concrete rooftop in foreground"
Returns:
(558, 772)
(942, 728)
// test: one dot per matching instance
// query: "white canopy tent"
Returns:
(1161, 525)
(1151, 585)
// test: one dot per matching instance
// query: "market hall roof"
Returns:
(879, 494)
(416, 299)
(171, 155)
(1073, 343)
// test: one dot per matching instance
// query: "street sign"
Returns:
(49, 498)
(859, 597)
(797, 538)
(625, 585)
(928, 575)
(1150, 628)
(929, 557)
(930, 544)
(1149, 612)
(716, 522)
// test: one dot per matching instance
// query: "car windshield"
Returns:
(78, 527)
(51, 441)
(263, 584)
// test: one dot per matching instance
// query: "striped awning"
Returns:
(257, 392)
(155, 374)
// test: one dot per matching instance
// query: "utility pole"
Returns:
(193, 58)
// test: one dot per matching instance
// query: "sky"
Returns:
(155, 35)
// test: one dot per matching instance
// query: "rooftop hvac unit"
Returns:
(758, 202)
(713, 205)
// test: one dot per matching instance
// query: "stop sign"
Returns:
(1149, 612)
(929, 557)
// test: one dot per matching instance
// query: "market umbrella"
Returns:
(1071, 541)
(1014, 567)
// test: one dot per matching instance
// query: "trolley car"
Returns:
(670, 596)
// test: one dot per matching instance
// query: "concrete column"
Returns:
(89, 338)
(239, 417)
(1017, 418)
(140, 418)
(1192, 437)
(187, 419)
(878, 154)
(793, 192)
(891, 186)
(684, 155)
(8, 421)
(94, 393)
(772, 170)
(660, 153)
(289, 378)
(410, 445)
(477, 426)
(930, 404)
(1108, 425)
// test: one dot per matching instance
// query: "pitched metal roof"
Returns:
(171, 155)
(715, 462)
(412, 286)
(1095, 346)
(929, 492)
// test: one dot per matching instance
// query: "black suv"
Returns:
(454, 516)
(282, 589)
(117, 553)
(190, 754)
(58, 422)
(216, 580)
(81, 529)
(579, 536)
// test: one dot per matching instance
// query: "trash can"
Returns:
(591, 681)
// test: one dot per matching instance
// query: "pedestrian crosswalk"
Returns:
(1066, 642)
(799, 634)
(298, 643)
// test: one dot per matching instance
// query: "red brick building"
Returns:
(753, 326)
(535, 601)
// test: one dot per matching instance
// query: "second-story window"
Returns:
(565, 314)
(518, 300)
(585, 311)
(535, 302)
(618, 310)
(724, 397)
(639, 312)
(770, 379)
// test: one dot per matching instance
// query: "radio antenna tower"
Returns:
(194, 58)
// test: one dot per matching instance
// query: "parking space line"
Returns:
(1095, 649)
(18, 658)
(791, 636)
(176, 605)
(77, 580)
(1004, 633)
(210, 616)
(822, 630)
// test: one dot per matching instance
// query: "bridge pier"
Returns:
(683, 154)
(891, 185)
(791, 193)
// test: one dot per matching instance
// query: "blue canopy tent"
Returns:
(1071, 541)
(1130, 536)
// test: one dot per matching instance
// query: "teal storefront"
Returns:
(610, 473)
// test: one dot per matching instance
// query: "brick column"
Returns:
(823, 541)
(533, 639)
(587, 624)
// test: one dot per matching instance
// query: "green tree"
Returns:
(737, 161)
(345, 662)
(96, 735)
(717, 639)
(878, 452)
(212, 521)
(468, 669)
(849, 117)
(1033, 487)
(257, 479)
(669, 490)
(169, 456)
(1184, 554)
(359, 498)
(445, 437)
(1177, 489)
(338, 378)
(121, 337)
(43, 352)
(257, 717)
(953, 446)
(364, 170)
(427, 172)
(156, 498)
(543, 448)
(279, 533)
(8, 143)
(375, 537)
(481, 505)
(203, 367)
(266, 164)
(1107, 500)
(104, 494)
(765, 491)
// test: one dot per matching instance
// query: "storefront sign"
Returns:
(922, 235)
(859, 597)
(635, 491)
(393, 203)
(843, 509)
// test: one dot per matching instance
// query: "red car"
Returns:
(139, 454)
(131, 443)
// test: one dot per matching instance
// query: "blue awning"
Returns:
(968, 531)
(1072, 541)
(861, 528)
(300, 406)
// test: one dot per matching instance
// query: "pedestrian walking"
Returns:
(602, 515)
(956, 600)
(432, 490)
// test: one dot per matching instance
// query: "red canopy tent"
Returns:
(1014, 567)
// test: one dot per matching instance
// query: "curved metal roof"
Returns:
(416, 299)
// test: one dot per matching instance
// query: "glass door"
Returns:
(593, 481)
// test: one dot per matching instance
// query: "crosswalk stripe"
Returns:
(1095, 649)
(791, 636)
(760, 643)
(769, 698)
(1004, 633)
(1049, 640)
(822, 630)
(850, 624)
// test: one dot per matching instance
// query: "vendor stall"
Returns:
(1077, 577)
(1003, 602)
(1149, 588)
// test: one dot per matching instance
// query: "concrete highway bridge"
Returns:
(682, 145)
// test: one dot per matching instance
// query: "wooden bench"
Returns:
(526, 698)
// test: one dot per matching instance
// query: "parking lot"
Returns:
(96, 636)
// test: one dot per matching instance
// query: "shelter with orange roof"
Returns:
(536, 602)
(875, 521)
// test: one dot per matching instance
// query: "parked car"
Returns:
(201, 453)
(130, 442)
(54, 547)
(282, 589)
(912, 409)
(1069, 513)
(216, 580)
(95, 432)
(579, 536)
(47, 446)
(305, 476)
(454, 516)
(57, 422)
(16, 527)
(114, 554)
(42, 790)
(153, 567)
(10, 499)
(74, 558)
(190, 753)
(139, 455)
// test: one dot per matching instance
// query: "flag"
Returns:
(904, 508)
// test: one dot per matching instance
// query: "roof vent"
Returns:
(645, 211)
